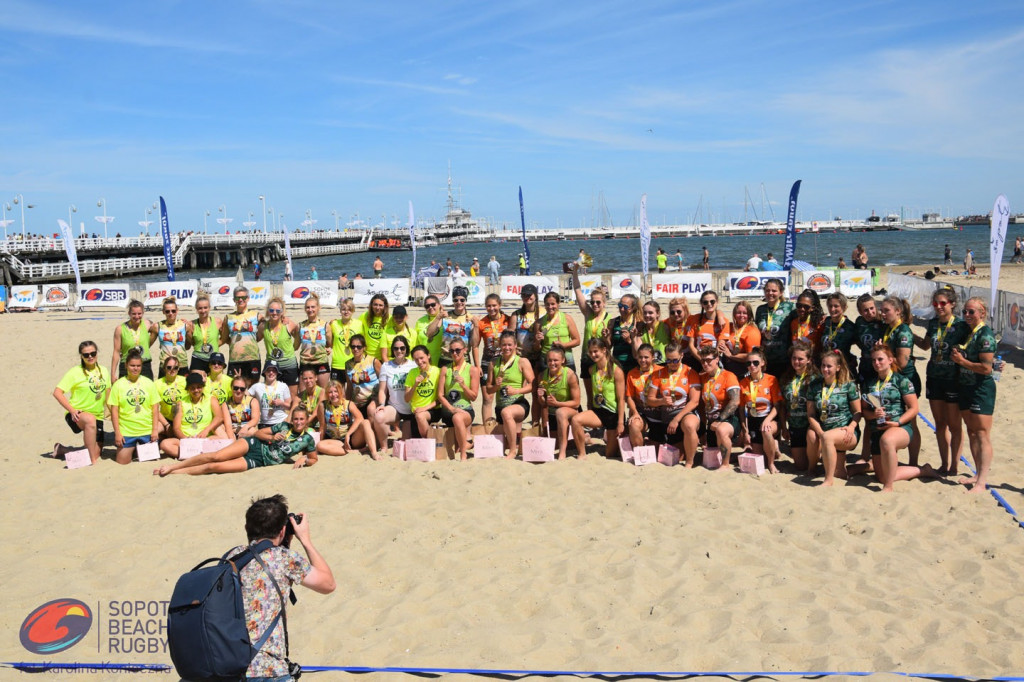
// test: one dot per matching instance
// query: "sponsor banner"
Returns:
(56, 296)
(751, 284)
(588, 284)
(104, 296)
(259, 295)
(917, 291)
(184, 292)
(3, 299)
(1013, 319)
(667, 286)
(853, 283)
(24, 296)
(297, 291)
(820, 282)
(395, 289)
(477, 291)
(220, 291)
(623, 284)
(511, 285)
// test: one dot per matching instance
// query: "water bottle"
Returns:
(997, 367)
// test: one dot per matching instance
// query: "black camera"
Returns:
(289, 531)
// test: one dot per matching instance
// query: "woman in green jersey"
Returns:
(459, 385)
(595, 318)
(134, 409)
(773, 321)
(205, 336)
(198, 416)
(976, 357)
(511, 381)
(558, 394)
(609, 409)
(82, 392)
(135, 334)
(281, 339)
(339, 335)
(895, 314)
(833, 412)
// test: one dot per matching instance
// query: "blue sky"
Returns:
(359, 107)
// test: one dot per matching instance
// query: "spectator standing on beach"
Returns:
(662, 259)
(458, 276)
(1017, 250)
(522, 264)
(947, 254)
(313, 274)
(448, 265)
(493, 268)
(343, 282)
(707, 259)
(378, 267)
(753, 263)
(679, 260)
(969, 261)
(474, 268)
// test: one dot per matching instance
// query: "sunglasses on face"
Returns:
(399, 349)
(672, 361)
(168, 312)
(171, 368)
(430, 306)
(356, 346)
(939, 304)
(458, 351)
(802, 306)
(238, 388)
(706, 360)
(676, 312)
(89, 355)
(459, 300)
(241, 298)
(598, 301)
(623, 306)
(708, 302)
(971, 311)
(753, 363)
(274, 311)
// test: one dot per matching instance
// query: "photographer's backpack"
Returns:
(206, 631)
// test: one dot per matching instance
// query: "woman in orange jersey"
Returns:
(707, 328)
(673, 395)
(806, 322)
(760, 398)
(745, 338)
(637, 382)
(720, 398)
(675, 323)
(833, 410)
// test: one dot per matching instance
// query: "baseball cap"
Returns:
(528, 290)
(217, 359)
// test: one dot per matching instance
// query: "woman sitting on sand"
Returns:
(942, 377)
(890, 424)
(609, 409)
(895, 313)
(363, 377)
(833, 411)
(198, 416)
(268, 446)
(795, 388)
(673, 396)
(558, 390)
(421, 391)
(134, 409)
(171, 387)
(745, 338)
(394, 410)
(637, 381)
(241, 410)
(511, 381)
(595, 318)
(720, 399)
(760, 399)
(976, 356)
(82, 392)
(310, 395)
(344, 428)
(459, 385)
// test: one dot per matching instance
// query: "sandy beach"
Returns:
(592, 565)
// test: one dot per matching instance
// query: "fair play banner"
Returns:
(220, 290)
(512, 285)
(184, 292)
(623, 284)
(24, 296)
(477, 293)
(668, 286)
(751, 284)
(297, 291)
(259, 294)
(820, 281)
(55, 296)
(396, 290)
(104, 296)
(853, 283)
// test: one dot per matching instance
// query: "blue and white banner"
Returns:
(412, 240)
(71, 251)
(787, 263)
(220, 291)
(104, 296)
(395, 290)
(165, 230)
(295, 292)
(522, 220)
(623, 284)
(853, 283)
(997, 240)
(645, 235)
(24, 296)
(751, 284)
(678, 284)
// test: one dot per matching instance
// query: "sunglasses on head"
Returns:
(89, 355)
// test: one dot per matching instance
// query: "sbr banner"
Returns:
(751, 284)
(626, 284)
(680, 284)
(220, 291)
(477, 292)
(853, 283)
(184, 292)
(396, 290)
(820, 282)
(297, 291)
(24, 296)
(511, 285)
(104, 296)
(56, 296)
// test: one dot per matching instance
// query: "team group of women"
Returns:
(790, 376)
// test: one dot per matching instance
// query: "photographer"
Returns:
(268, 519)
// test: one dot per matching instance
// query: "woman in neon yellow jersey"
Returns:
(281, 338)
(82, 392)
(135, 334)
(511, 381)
(339, 335)
(134, 409)
(198, 416)
(171, 387)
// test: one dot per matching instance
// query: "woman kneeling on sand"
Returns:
(833, 411)
(343, 427)
(270, 445)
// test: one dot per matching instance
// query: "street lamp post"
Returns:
(250, 222)
(20, 200)
(225, 221)
(263, 204)
(5, 221)
(72, 209)
(146, 222)
(205, 216)
(105, 219)
(336, 216)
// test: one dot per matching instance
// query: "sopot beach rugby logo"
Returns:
(56, 626)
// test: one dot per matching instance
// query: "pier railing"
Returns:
(87, 268)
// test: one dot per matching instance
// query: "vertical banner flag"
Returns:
(69, 248)
(522, 220)
(645, 236)
(791, 227)
(287, 246)
(412, 239)
(165, 230)
(997, 240)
